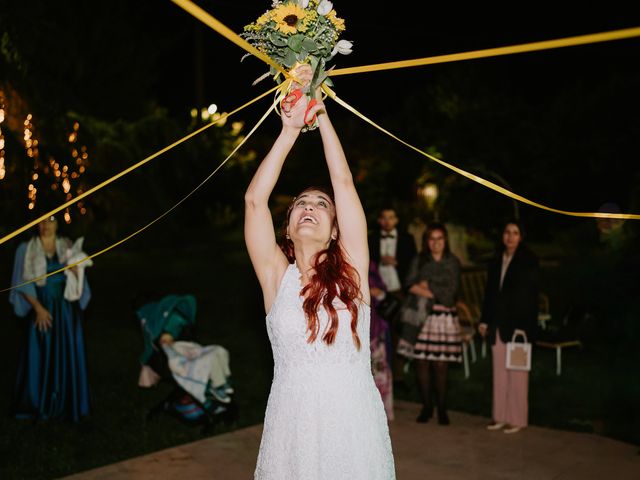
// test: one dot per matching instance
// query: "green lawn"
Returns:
(595, 392)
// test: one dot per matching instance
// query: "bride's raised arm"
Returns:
(267, 259)
(351, 218)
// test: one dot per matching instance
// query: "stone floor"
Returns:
(463, 450)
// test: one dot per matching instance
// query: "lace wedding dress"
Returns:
(325, 419)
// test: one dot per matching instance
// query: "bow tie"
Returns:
(388, 235)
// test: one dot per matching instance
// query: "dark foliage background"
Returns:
(559, 127)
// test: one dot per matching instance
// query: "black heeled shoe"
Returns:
(425, 414)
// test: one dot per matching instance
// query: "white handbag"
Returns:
(519, 353)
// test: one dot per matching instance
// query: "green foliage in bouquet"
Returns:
(294, 32)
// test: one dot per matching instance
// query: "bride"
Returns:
(324, 417)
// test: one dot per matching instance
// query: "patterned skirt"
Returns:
(440, 338)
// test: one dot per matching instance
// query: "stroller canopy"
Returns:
(169, 314)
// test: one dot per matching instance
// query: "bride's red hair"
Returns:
(333, 277)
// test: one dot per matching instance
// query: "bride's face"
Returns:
(312, 217)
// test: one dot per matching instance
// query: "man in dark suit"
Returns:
(392, 249)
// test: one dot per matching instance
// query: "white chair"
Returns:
(554, 342)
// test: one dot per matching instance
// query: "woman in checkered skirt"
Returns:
(434, 276)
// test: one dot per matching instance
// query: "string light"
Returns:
(79, 160)
(3, 170)
(31, 146)
(63, 176)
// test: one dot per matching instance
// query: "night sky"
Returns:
(387, 31)
(126, 58)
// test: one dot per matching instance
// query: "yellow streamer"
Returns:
(216, 25)
(226, 32)
(529, 47)
(494, 52)
(230, 35)
(167, 212)
(480, 180)
(131, 168)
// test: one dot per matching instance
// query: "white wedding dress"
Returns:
(325, 419)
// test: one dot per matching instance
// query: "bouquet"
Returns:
(296, 32)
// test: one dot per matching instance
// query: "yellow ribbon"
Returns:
(529, 47)
(494, 52)
(477, 179)
(226, 32)
(131, 168)
(230, 35)
(167, 212)
(216, 25)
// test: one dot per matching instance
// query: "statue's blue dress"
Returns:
(51, 380)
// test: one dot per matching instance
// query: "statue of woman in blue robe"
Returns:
(52, 370)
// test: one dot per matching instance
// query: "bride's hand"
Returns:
(302, 73)
(294, 116)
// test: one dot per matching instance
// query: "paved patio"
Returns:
(463, 450)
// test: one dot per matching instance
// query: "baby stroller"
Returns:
(200, 375)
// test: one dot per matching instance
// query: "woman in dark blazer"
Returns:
(510, 303)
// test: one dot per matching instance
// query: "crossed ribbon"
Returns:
(286, 98)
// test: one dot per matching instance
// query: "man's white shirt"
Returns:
(388, 247)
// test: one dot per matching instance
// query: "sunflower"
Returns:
(338, 23)
(288, 18)
(264, 18)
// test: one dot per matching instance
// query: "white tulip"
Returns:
(303, 3)
(325, 7)
(345, 47)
